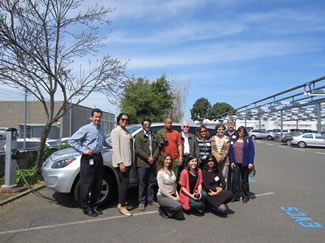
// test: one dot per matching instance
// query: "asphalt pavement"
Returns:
(288, 207)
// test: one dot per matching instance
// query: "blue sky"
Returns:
(230, 51)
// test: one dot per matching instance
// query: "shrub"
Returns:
(31, 176)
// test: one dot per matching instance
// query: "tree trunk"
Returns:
(40, 154)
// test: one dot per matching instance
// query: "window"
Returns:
(308, 136)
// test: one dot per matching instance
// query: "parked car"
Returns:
(61, 170)
(308, 139)
(275, 133)
(31, 143)
(257, 133)
(287, 138)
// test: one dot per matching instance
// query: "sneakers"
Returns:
(141, 207)
(155, 204)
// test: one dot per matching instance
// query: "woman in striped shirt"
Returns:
(203, 136)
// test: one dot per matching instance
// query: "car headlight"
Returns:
(62, 163)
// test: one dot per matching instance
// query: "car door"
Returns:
(308, 139)
(319, 140)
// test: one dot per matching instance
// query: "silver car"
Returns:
(61, 170)
(308, 139)
(257, 133)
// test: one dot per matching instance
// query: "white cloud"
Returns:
(222, 53)
(153, 8)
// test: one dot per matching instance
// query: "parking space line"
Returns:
(264, 194)
(269, 144)
(72, 223)
(319, 153)
(91, 220)
(298, 149)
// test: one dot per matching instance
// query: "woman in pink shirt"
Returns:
(191, 195)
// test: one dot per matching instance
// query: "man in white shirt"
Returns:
(189, 143)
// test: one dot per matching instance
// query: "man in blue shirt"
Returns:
(89, 141)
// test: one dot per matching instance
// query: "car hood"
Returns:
(63, 153)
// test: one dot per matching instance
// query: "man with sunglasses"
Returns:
(146, 152)
(190, 145)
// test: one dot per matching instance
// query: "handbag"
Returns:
(252, 172)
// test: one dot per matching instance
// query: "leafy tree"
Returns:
(220, 108)
(142, 99)
(201, 110)
(39, 42)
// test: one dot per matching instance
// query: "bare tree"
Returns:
(40, 41)
(180, 91)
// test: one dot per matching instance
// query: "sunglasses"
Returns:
(210, 160)
(124, 119)
(203, 131)
(185, 126)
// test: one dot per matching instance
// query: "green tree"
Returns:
(142, 98)
(40, 41)
(220, 108)
(201, 110)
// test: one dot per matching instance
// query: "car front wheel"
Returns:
(288, 142)
(253, 137)
(107, 193)
(269, 138)
(301, 144)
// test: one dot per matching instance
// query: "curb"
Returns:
(21, 194)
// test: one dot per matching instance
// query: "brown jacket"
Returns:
(222, 156)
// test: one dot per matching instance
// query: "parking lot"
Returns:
(288, 206)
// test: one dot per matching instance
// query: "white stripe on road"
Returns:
(319, 153)
(298, 149)
(269, 143)
(91, 220)
(72, 223)
(264, 194)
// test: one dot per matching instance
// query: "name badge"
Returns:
(216, 178)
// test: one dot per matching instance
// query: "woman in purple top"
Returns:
(241, 156)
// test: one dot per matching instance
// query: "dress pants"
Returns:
(240, 173)
(147, 180)
(90, 180)
(171, 207)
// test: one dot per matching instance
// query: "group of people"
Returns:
(192, 172)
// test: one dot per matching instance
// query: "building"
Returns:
(13, 115)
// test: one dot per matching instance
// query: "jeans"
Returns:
(198, 203)
(240, 173)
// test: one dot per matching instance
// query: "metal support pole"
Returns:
(10, 166)
(281, 125)
(319, 120)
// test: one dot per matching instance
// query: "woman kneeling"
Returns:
(191, 194)
(214, 183)
(167, 195)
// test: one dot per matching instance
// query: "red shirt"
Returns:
(174, 139)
